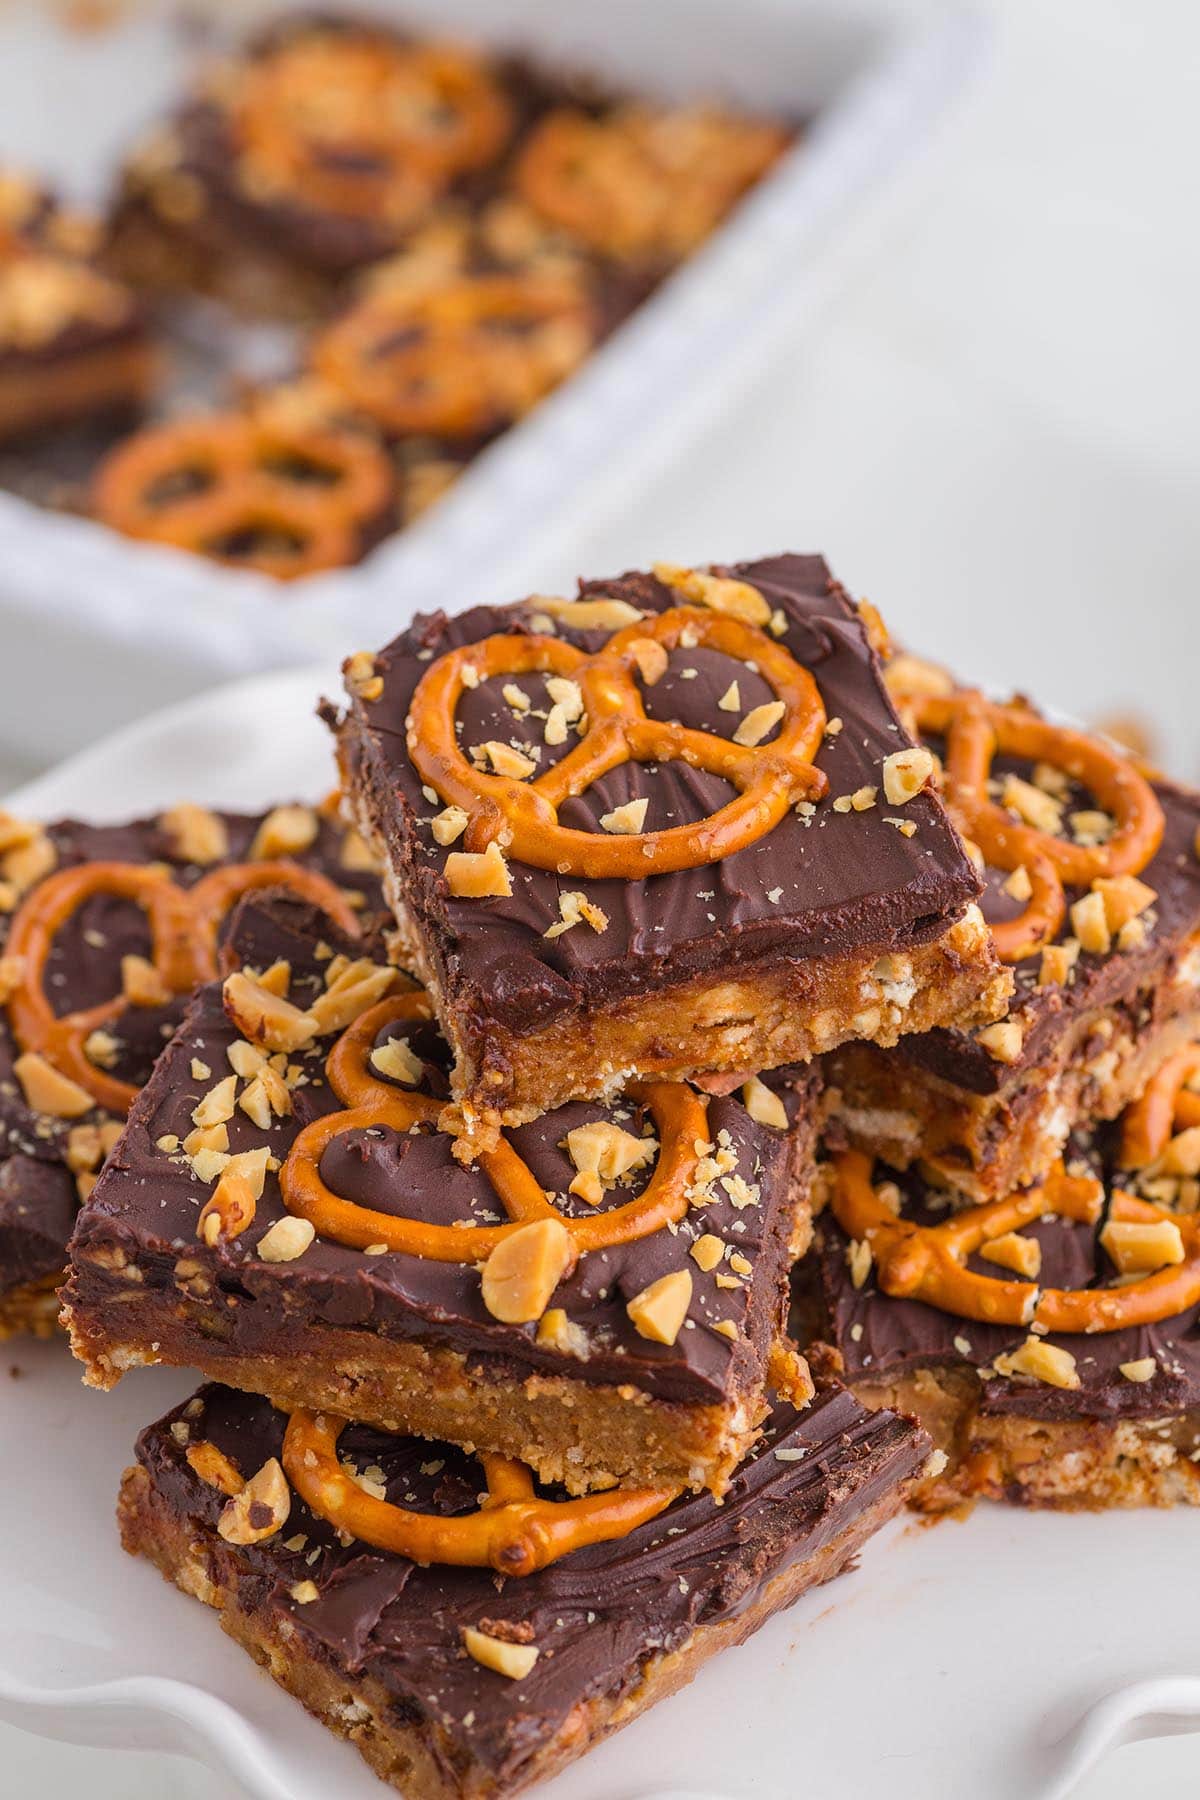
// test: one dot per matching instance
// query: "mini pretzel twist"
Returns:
(642, 185)
(184, 923)
(515, 1531)
(975, 730)
(459, 360)
(680, 1115)
(1168, 1104)
(286, 502)
(523, 815)
(363, 126)
(928, 1262)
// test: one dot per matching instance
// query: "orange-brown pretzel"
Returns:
(928, 1262)
(641, 184)
(366, 127)
(1168, 1104)
(183, 922)
(459, 360)
(247, 492)
(515, 1531)
(523, 815)
(975, 730)
(680, 1115)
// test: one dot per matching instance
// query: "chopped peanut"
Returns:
(1023, 1255)
(398, 1061)
(906, 773)
(1032, 804)
(285, 1240)
(630, 818)
(1018, 886)
(576, 909)
(1125, 898)
(1089, 920)
(913, 675)
(218, 1104)
(259, 1509)
(1043, 1361)
(602, 1154)
(763, 1105)
(358, 986)
(1002, 1041)
(266, 1097)
(356, 853)
(1182, 1154)
(651, 659)
(449, 824)
(759, 722)
(229, 1209)
(513, 1660)
(361, 677)
(590, 615)
(1058, 963)
(12, 974)
(478, 877)
(195, 834)
(659, 1310)
(524, 1269)
(277, 979)
(506, 760)
(287, 831)
(707, 1251)
(719, 592)
(266, 1019)
(858, 1261)
(48, 1091)
(557, 1332)
(214, 1468)
(1137, 1249)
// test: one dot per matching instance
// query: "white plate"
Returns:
(127, 625)
(997, 1658)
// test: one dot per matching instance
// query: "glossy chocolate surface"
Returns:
(147, 1203)
(826, 887)
(595, 1616)
(880, 1337)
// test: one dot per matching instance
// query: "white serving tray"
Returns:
(119, 627)
(999, 1658)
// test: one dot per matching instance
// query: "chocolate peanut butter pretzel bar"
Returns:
(1093, 895)
(104, 932)
(672, 826)
(315, 151)
(73, 341)
(458, 1683)
(1048, 1341)
(601, 1295)
(328, 143)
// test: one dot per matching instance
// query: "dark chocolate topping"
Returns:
(837, 884)
(37, 1194)
(595, 1616)
(880, 1337)
(147, 1202)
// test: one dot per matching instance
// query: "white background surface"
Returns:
(995, 434)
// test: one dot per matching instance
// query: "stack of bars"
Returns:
(483, 1198)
